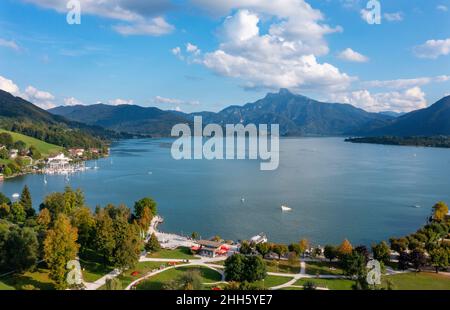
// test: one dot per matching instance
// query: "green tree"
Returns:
(20, 146)
(18, 214)
(246, 248)
(6, 139)
(4, 154)
(128, 244)
(399, 244)
(280, 250)
(34, 152)
(330, 252)
(5, 211)
(21, 249)
(144, 203)
(60, 246)
(152, 244)
(381, 252)
(234, 268)
(4, 199)
(195, 235)
(104, 236)
(439, 258)
(254, 268)
(418, 259)
(263, 248)
(295, 247)
(84, 221)
(26, 201)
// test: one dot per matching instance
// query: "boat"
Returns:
(15, 195)
(416, 206)
(45, 179)
(285, 208)
(242, 199)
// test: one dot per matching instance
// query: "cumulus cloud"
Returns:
(72, 101)
(193, 49)
(177, 102)
(140, 17)
(120, 101)
(9, 44)
(285, 55)
(397, 101)
(9, 86)
(433, 49)
(350, 55)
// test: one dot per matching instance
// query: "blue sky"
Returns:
(207, 54)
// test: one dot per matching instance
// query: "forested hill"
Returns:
(19, 115)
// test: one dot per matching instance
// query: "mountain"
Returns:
(392, 113)
(299, 115)
(431, 121)
(127, 118)
(19, 115)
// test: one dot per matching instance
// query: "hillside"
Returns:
(44, 148)
(19, 115)
(297, 115)
(431, 121)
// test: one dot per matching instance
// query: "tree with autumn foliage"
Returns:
(345, 248)
(440, 211)
(60, 246)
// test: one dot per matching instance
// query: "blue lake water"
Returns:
(336, 189)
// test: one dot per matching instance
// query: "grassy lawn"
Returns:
(179, 253)
(38, 279)
(93, 267)
(141, 268)
(292, 288)
(419, 281)
(282, 266)
(271, 281)
(323, 268)
(332, 284)
(44, 148)
(158, 281)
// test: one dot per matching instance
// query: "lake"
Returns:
(336, 190)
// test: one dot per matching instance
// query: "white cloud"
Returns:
(442, 8)
(350, 55)
(72, 101)
(9, 86)
(120, 101)
(141, 17)
(433, 49)
(284, 56)
(9, 44)
(409, 100)
(193, 49)
(406, 83)
(178, 102)
(393, 17)
(38, 97)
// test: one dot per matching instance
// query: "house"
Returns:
(13, 153)
(76, 152)
(58, 162)
(211, 248)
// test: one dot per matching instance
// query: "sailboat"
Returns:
(95, 166)
(285, 208)
(45, 179)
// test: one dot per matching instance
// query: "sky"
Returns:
(204, 55)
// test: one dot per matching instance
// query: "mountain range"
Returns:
(297, 115)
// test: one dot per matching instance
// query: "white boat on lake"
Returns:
(285, 208)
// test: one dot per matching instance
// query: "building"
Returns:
(59, 162)
(13, 153)
(260, 238)
(76, 152)
(210, 248)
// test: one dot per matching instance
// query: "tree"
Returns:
(20, 146)
(362, 249)
(292, 258)
(84, 221)
(44, 218)
(317, 251)
(263, 248)
(254, 268)
(399, 244)
(304, 245)
(354, 264)
(26, 202)
(60, 246)
(439, 258)
(5, 211)
(18, 214)
(381, 252)
(330, 252)
(104, 236)
(418, 259)
(280, 250)
(195, 235)
(34, 152)
(4, 199)
(21, 249)
(295, 247)
(440, 211)
(6, 139)
(345, 248)
(113, 284)
(142, 204)
(128, 244)
(403, 260)
(152, 244)
(246, 248)
(234, 268)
